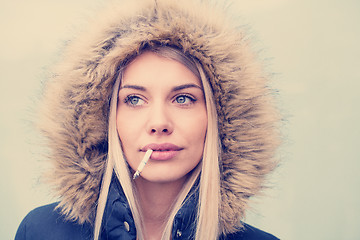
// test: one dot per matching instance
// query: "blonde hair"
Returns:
(207, 222)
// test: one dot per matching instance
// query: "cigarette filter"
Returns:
(143, 163)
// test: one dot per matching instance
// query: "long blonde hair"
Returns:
(207, 222)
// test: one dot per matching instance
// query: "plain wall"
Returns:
(311, 49)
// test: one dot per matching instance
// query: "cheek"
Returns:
(196, 133)
(125, 128)
(195, 126)
(120, 123)
(200, 122)
(200, 127)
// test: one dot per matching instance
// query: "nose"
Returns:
(160, 122)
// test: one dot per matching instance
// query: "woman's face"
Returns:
(161, 106)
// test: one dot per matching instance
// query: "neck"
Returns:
(156, 201)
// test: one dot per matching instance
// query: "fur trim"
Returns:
(76, 100)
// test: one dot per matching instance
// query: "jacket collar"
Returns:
(118, 222)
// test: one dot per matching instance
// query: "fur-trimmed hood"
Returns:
(76, 99)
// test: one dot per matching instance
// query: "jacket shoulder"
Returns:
(249, 233)
(46, 222)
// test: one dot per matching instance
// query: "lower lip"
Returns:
(163, 155)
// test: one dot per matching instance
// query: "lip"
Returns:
(163, 151)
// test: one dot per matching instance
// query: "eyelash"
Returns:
(186, 96)
(128, 100)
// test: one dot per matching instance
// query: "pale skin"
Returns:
(156, 200)
(161, 106)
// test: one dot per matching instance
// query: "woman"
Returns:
(172, 77)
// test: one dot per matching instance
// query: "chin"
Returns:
(163, 177)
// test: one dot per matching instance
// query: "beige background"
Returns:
(312, 47)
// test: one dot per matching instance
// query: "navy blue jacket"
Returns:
(46, 223)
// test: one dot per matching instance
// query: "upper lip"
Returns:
(161, 147)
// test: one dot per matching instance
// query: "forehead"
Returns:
(152, 68)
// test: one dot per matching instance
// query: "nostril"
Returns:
(157, 131)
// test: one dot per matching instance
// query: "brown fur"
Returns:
(76, 100)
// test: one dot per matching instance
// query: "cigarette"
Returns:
(143, 163)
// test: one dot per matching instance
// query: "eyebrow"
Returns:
(136, 87)
(181, 87)
(175, 89)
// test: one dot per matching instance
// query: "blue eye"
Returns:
(134, 101)
(184, 99)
